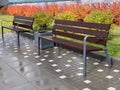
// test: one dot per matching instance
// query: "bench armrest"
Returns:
(85, 39)
(84, 42)
(97, 37)
(88, 36)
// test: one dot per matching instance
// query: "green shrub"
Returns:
(65, 16)
(104, 17)
(42, 20)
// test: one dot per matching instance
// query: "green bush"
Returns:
(104, 17)
(42, 20)
(65, 16)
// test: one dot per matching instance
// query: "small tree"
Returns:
(42, 20)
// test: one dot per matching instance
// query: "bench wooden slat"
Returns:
(81, 30)
(80, 37)
(24, 17)
(23, 22)
(23, 26)
(84, 24)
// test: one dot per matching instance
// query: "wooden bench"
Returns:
(79, 36)
(20, 24)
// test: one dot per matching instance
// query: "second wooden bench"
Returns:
(20, 24)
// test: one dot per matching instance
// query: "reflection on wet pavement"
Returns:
(23, 69)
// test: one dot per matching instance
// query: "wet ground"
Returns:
(23, 69)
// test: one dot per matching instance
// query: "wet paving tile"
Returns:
(3, 66)
(55, 69)
(20, 63)
(1, 87)
(13, 82)
(11, 78)
(27, 68)
(27, 86)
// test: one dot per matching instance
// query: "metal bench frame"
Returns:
(96, 33)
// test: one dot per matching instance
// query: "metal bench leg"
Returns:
(2, 34)
(108, 59)
(84, 58)
(84, 63)
(38, 45)
(18, 37)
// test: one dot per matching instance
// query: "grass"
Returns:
(113, 43)
(114, 46)
(8, 18)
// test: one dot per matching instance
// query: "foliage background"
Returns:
(80, 11)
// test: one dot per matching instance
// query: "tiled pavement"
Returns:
(22, 69)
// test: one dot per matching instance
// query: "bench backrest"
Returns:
(77, 30)
(23, 22)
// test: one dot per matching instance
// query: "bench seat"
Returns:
(70, 44)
